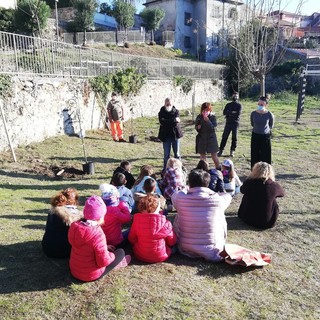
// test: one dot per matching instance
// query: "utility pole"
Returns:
(57, 20)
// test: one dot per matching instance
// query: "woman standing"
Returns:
(206, 140)
(262, 122)
(259, 207)
(169, 131)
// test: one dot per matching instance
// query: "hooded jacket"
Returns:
(89, 254)
(200, 223)
(55, 242)
(151, 236)
(115, 217)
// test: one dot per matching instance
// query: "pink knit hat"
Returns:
(94, 208)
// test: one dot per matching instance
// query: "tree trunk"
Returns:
(263, 85)
(84, 38)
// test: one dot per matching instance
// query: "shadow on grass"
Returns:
(26, 175)
(56, 188)
(208, 268)
(26, 217)
(234, 223)
(24, 268)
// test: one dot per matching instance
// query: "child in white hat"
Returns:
(90, 257)
(118, 213)
(232, 183)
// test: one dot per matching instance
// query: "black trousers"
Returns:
(233, 128)
(260, 148)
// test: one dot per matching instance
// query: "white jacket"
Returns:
(200, 223)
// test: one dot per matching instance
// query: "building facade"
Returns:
(8, 4)
(201, 28)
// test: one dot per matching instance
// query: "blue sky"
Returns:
(308, 6)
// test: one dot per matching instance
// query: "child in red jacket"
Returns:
(90, 258)
(118, 213)
(151, 235)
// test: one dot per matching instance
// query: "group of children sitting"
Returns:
(93, 239)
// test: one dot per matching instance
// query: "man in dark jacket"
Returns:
(232, 112)
(170, 131)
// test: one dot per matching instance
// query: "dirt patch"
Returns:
(55, 172)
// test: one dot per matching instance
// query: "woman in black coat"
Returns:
(259, 207)
(63, 212)
(169, 131)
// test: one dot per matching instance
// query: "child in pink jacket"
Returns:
(90, 257)
(118, 213)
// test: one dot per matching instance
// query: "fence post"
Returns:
(15, 53)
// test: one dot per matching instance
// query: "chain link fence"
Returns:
(25, 55)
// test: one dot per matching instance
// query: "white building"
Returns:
(200, 27)
(8, 4)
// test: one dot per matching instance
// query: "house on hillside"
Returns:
(8, 4)
(200, 27)
(289, 24)
(311, 26)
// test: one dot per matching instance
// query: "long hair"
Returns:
(206, 105)
(59, 200)
(72, 196)
(262, 170)
(145, 170)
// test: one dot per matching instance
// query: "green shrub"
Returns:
(185, 83)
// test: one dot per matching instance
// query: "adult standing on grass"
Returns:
(206, 139)
(116, 116)
(262, 121)
(170, 131)
(232, 112)
(259, 207)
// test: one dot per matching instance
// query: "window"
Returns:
(187, 19)
(216, 12)
(233, 13)
(187, 42)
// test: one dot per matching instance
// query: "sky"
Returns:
(308, 6)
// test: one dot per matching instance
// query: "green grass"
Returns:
(35, 287)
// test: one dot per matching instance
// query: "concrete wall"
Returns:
(40, 108)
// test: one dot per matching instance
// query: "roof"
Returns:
(105, 20)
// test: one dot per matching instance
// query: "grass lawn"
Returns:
(33, 286)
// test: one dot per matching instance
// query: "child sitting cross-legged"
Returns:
(149, 187)
(118, 213)
(91, 257)
(151, 234)
(125, 194)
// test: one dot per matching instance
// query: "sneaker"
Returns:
(220, 153)
(124, 262)
(232, 153)
(122, 140)
(115, 140)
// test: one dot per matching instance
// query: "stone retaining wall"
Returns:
(40, 107)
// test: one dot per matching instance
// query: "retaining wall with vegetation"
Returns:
(39, 108)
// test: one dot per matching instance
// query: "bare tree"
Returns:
(258, 42)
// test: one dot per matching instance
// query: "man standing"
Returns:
(232, 112)
(116, 116)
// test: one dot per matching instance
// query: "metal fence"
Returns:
(25, 55)
(107, 37)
